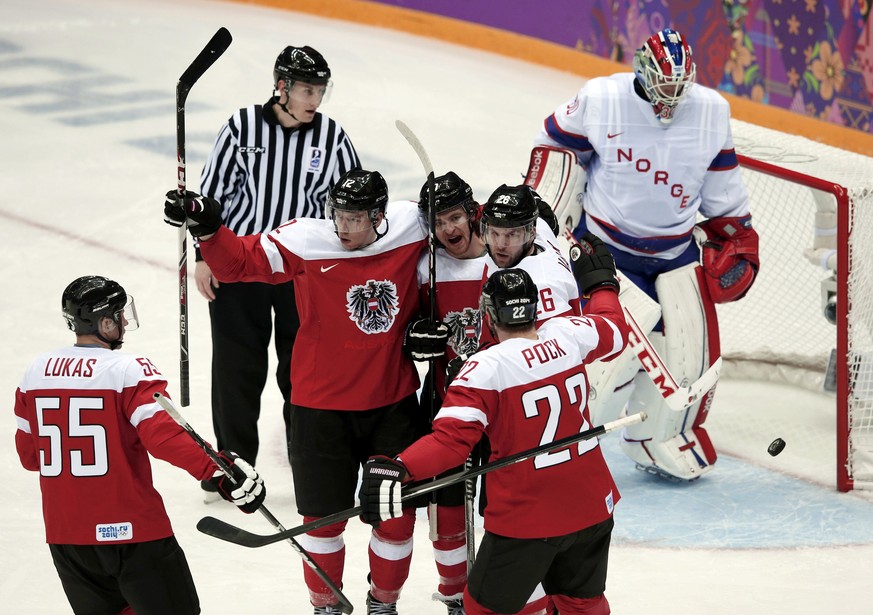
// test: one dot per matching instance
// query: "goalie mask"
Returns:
(357, 203)
(509, 298)
(89, 299)
(509, 224)
(664, 68)
(304, 73)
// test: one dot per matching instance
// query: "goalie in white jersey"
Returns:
(657, 154)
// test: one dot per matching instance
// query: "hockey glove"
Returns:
(426, 339)
(453, 369)
(204, 215)
(729, 255)
(246, 489)
(380, 489)
(593, 265)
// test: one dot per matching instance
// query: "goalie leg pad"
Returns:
(612, 381)
(670, 442)
(557, 177)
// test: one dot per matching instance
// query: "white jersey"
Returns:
(647, 181)
(550, 271)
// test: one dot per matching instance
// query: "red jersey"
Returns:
(87, 420)
(458, 288)
(354, 305)
(524, 393)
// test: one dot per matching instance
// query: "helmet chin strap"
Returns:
(283, 105)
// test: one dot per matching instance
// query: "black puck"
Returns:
(776, 447)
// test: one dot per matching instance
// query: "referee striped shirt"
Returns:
(265, 174)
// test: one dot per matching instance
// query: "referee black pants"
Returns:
(243, 315)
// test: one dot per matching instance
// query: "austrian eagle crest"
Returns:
(373, 306)
(464, 329)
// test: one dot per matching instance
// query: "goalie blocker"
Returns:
(555, 175)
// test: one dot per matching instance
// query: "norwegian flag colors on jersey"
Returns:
(354, 305)
(523, 393)
(642, 196)
(87, 420)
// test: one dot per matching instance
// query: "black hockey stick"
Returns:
(167, 404)
(416, 144)
(214, 48)
(230, 533)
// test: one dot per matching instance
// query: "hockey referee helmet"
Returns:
(88, 299)
(509, 298)
(301, 64)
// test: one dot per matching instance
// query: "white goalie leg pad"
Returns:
(612, 382)
(559, 179)
(672, 442)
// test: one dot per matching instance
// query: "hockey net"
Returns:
(810, 205)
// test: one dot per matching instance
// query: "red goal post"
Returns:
(810, 204)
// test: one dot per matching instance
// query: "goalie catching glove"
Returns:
(593, 265)
(729, 255)
(380, 489)
(204, 215)
(426, 339)
(246, 489)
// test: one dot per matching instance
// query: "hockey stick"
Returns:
(230, 533)
(677, 398)
(416, 144)
(470, 515)
(167, 404)
(214, 48)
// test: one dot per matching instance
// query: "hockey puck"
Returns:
(776, 447)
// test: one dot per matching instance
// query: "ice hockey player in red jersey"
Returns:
(548, 520)
(459, 268)
(353, 389)
(87, 422)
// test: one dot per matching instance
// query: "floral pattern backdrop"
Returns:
(814, 57)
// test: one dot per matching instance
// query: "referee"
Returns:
(270, 163)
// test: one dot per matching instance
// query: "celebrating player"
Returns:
(460, 263)
(548, 520)
(270, 163)
(658, 151)
(357, 290)
(87, 422)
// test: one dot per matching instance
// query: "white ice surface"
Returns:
(88, 150)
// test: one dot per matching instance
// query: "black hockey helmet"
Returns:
(358, 190)
(301, 64)
(511, 206)
(449, 191)
(88, 299)
(510, 298)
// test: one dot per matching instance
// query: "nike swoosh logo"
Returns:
(325, 269)
(609, 136)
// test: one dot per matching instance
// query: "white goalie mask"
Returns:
(664, 68)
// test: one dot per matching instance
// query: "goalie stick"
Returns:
(677, 398)
(416, 144)
(230, 533)
(216, 46)
(167, 404)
